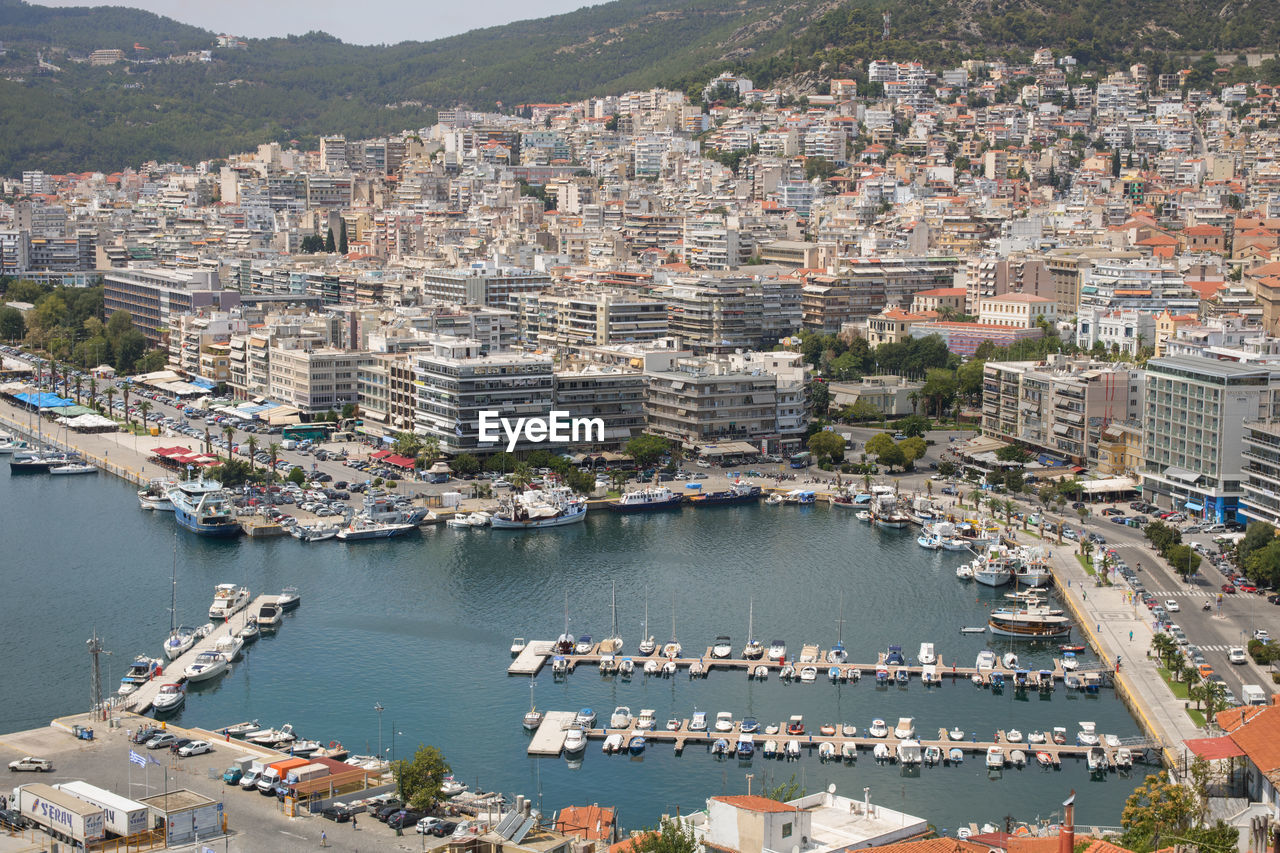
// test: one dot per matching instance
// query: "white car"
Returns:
(33, 765)
(1236, 655)
(1262, 635)
(1172, 606)
(196, 747)
(428, 823)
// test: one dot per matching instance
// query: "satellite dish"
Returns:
(831, 789)
(795, 848)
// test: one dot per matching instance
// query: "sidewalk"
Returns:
(1122, 629)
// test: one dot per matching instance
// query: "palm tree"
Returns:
(125, 398)
(143, 409)
(866, 481)
(521, 476)
(110, 394)
(1008, 507)
(1086, 549)
(79, 382)
(1214, 698)
(253, 448)
(208, 443)
(914, 397)
(428, 450)
(273, 450)
(1163, 646)
(229, 432)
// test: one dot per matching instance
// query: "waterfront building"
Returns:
(154, 298)
(1261, 483)
(193, 336)
(494, 287)
(314, 378)
(614, 395)
(1194, 419)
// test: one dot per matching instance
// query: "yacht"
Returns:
(362, 528)
(754, 649)
(777, 650)
(32, 462)
(722, 647)
(229, 646)
(140, 672)
(585, 718)
(621, 717)
(204, 507)
(207, 665)
(289, 599)
(553, 507)
(926, 655)
(73, 465)
(170, 698)
(532, 717)
(228, 600)
(269, 617)
(648, 499)
(646, 721)
(737, 493)
(155, 496)
(575, 740)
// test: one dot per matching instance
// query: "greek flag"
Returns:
(135, 758)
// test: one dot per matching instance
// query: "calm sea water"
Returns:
(423, 626)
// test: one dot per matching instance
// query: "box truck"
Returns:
(122, 816)
(61, 815)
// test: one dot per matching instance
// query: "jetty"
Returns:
(548, 740)
(538, 653)
(139, 701)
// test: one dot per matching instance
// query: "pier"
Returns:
(548, 740)
(537, 653)
(139, 701)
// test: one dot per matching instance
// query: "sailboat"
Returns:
(612, 644)
(672, 649)
(180, 640)
(647, 645)
(753, 650)
(564, 645)
(838, 654)
(533, 717)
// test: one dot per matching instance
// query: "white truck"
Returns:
(1253, 694)
(123, 816)
(60, 815)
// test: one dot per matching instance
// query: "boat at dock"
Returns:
(648, 499)
(229, 646)
(553, 507)
(314, 532)
(269, 617)
(361, 529)
(34, 462)
(273, 737)
(204, 507)
(142, 670)
(72, 465)
(155, 496)
(737, 493)
(1034, 622)
(207, 665)
(289, 599)
(170, 698)
(228, 600)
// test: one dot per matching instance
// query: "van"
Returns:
(1253, 694)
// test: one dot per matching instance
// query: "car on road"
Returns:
(336, 813)
(1159, 612)
(196, 747)
(1205, 670)
(164, 740)
(1236, 655)
(1261, 635)
(31, 764)
(1172, 606)
(1229, 589)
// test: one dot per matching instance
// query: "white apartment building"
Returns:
(1017, 310)
(192, 334)
(567, 320)
(314, 379)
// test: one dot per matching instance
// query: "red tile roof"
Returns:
(755, 803)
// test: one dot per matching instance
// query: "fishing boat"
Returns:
(886, 512)
(532, 717)
(204, 507)
(648, 499)
(170, 698)
(556, 506)
(995, 566)
(737, 493)
(1059, 735)
(228, 600)
(207, 665)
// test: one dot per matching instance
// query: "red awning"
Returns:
(380, 454)
(399, 461)
(1214, 748)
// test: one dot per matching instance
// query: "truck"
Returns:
(60, 815)
(1253, 694)
(289, 444)
(305, 774)
(238, 768)
(122, 816)
(275, 772)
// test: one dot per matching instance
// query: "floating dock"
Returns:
(548, 740)
(139, 701)
(536, 655)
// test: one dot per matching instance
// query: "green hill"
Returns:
(104, 117)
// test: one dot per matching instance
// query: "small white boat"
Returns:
(646, 721)
(170, 698)
(722, 648)
(612, 744)
(1035, 737)
(451, 787)
(651, 667)
(720, 747)
(956, 733)
(1044, 758)
(72, 467)
(621, 717)
(586, 718)
(1096, 759)
(250, 632)
(1123, 758)
(905, 729)
(878, 728)
(770, 749)
(697, 670)
(1069, 662)
(1013, 736)
(986, 660)
(849, 751)
(532, 719)
(673, 724)
(964, 572)
(762, 673)
(809, 674)
(518, 645)
(792, 749)
(626, 667)
(724, 721)
(273, 737)
(1112, 741)
(1088, 735)
(995, 758)
(698, 722)
(1017, 758)
(229, 646)
(955, 755)
(647, 646)
(207, 665)
(926, 655)
(881, 753)
(826, 751)
(669, 669)
(909, 752)
(179, 642)
(787, 673)
(777, 650)
(575, 740)
(1010, 660)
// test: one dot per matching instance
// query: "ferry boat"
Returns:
(737, 493)
(553, 507)
(155, 496)
(204, 507)
(228, 600)
(649, 499)
(1033, 622)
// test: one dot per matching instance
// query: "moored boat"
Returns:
(204, 507)
(648, 499)
(737, 493)
(228, 600)
(155, 496)
(553, 507)
(207, 665)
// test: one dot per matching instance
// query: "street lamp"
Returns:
(378, 707)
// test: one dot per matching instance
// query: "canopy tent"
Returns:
(43, 400)
(1110, 485)
(728, 448)
(89, 422)
(70, 411)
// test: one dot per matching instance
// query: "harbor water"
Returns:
(423, 626)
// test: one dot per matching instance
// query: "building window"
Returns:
(786, 830)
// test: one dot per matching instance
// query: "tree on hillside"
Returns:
(329, 245)
(342, 238)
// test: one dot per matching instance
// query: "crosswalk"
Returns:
(1214, 648)
(1184, 593)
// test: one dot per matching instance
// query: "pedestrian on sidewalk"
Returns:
(353, 823)
(324, 839)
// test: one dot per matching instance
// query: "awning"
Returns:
(1175, 473)
(1214, 748)
(1193, 505)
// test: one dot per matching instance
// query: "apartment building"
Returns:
(496, 288)
(192, 335)
(697, 401)
(314, 379)
(1261, 484)
(455, 382)
(1194, 430)
(721, 314)
(614, 395)
(1017, 310)
(569, 319)
(1060, 405)
(154, 298)
(1067, 267)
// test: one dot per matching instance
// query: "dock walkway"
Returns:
(549, 738)
(139, 701)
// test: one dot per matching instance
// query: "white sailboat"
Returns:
(179, 642)
(754, 649)
(647, 646)
(673, 648)
(838, 653)
(532, 717)
(612, 644)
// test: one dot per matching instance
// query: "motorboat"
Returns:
(612, 743)
(787, 673)
(901, 676)
(853, 674)
(720, 746)
(71, 466)
(995, 758)
(835, 674)
(777, 650)
(746, 746)
(964, 572)
(906, 728)
(1111, 741)
(926, 655)
(909, 752)
(986, 660)
(1010, 660)
(881, 753)
(362, 529)
(827, 729)
(229, 646)
(648, 499)
(585, 718)
(575, 740)
(273, 737)
(532, 510)
(770, 749)
(228, 600)
(724, 722)
(518, 645)
(761, 673)
(637, 745)
(894, 657)
(826, 751)
(849, 751)
(651, 667)
(451, 787)
(1088, 734)
(646, 720)
(179, 642)
(955, 755)
(929, 675)
(1123, 758)
(956, 733)
(883, 676)
(698, 722)
(626, 667)
(749, 725)
(269, 617)
(722, 647)
(170, 698)
(1017, 758)
(207, 665)
(795, 725)
(241, 730)
(737, 493)
(621, 717)
(997, 680)
(204, 507)
(250, 632)
(1013, 736)
(142, 670)
(773, 728)
(792, 749)
(1035, 738)
(1096, 759)
(584, 645)
(878, 728)
(978, 679)
(289, 599)
(1059, 735)
(669, 669)
(673, 724)
(1044, 758)
(305, 748)
(315, 532)
(808, 674)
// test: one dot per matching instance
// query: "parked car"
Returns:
(444, 829)
(195, 747)
(1236, 655)
(162, 741)
(31, 764)
(404, 818)
(336, 813)
(428, 823)
(1172, 606)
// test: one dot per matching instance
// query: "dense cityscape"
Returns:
(1045, 291)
